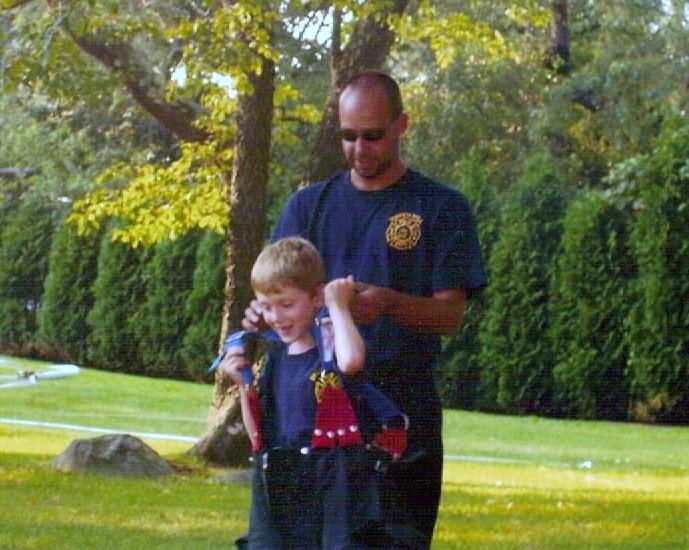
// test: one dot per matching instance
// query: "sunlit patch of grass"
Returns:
(506, 478)
(534, 507)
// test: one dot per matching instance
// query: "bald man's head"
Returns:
(369, 80)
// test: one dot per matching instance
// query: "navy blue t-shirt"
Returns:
(416, 236)
(294, 401)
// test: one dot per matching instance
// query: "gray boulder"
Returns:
(113, 455)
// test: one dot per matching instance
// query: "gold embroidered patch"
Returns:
(321, 380)
(404, 230)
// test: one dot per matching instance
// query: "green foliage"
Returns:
(24, 244)
(588, 304)
(479, 84)
(204, 307)
(65, 161)
(210, 57)
(469, 31)
(470, 109)
(516, 352)
(38, 53)
(158, 202)
(162, 321)
(478, 99)
(68, 294)
(460, 366)
(627, 62)
(119, 291)
(659, 323)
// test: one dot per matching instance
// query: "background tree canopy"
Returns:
(179, 128)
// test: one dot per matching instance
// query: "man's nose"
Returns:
(360, 144)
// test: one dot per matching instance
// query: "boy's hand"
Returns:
(233, 363)
(253, 318)
(340, 292)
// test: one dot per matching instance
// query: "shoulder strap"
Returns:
(324, 336)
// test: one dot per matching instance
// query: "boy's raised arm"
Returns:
(349, 345)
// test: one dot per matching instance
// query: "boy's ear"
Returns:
(319, 296)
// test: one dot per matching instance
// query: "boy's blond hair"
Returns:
(291, 261)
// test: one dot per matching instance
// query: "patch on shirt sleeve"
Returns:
(404, 230)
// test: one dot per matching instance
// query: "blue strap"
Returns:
(240, 338)
(327, 362)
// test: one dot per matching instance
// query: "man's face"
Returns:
(370, 138)
(290, 312)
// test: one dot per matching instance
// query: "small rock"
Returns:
(113, 455)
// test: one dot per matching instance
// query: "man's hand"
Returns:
(253, 318)
(368, 303)
(440, 313)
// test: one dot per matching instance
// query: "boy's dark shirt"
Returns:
(294, 402)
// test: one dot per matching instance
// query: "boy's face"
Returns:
(290, 312)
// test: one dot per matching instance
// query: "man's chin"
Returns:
(371, 171)
(367, 174)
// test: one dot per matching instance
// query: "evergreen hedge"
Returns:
(68, 294)
(516, 352)
(459, 366)
(658, 325)
(119, 290)
(588, 305)
(24, 245)
(162, 320)
(204, 308)
(586, 313)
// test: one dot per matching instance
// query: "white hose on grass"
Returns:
(30, 378)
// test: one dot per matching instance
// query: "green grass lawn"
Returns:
(510, 483)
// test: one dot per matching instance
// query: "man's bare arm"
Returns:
(441, 313)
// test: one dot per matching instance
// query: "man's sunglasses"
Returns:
(374, 134)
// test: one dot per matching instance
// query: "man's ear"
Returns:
(319, 296)
(402, 122)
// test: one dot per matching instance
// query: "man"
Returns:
(412, 247)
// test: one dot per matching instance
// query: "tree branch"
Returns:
(119, 57)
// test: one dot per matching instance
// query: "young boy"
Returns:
(306, 497)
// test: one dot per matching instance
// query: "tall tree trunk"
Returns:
(225, 441)
(560, 143)
(559, 38)
(368, 48)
